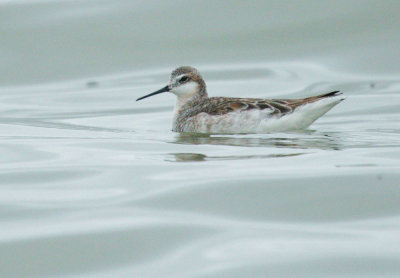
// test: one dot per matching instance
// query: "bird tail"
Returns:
(328, 95)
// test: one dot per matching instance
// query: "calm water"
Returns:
(93, 184)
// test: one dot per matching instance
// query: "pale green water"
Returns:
(93, 184)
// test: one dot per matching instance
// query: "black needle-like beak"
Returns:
(162, 90)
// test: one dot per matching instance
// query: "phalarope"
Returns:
(196, 112)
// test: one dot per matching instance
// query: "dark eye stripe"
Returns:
(183, 79)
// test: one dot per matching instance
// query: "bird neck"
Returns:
(184, 99)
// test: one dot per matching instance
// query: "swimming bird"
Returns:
(196, 112)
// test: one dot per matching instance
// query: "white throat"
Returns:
(184, 93)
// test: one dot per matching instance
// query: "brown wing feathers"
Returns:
(221, 105)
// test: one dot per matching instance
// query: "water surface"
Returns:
(93, 184)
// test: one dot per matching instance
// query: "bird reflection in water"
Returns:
(303, 142)
(307, 139)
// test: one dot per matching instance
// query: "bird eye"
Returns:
(183, 79)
